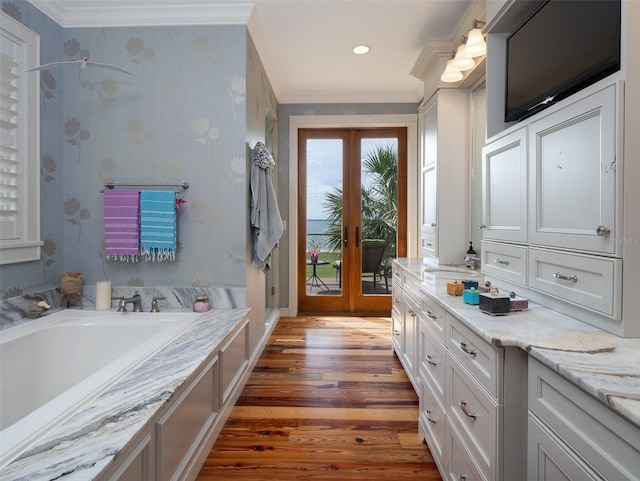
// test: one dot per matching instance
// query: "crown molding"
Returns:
(436, 48)
(349, 97)
(121, 13)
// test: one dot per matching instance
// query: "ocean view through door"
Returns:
(351, 217)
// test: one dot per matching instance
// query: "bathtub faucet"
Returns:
(136, 300)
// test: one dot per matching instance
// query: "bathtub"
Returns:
(52, 366)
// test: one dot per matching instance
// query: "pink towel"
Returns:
(122, 225)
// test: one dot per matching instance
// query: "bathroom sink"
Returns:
(448, 271)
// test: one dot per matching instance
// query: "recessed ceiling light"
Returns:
(361, 49)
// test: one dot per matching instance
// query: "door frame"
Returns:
(410, 121)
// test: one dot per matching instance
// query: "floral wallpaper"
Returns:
(182, 115)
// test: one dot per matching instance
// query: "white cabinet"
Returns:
(443, 122)
(574, 437)
(504, 188)
(485, 404)
(573, 175)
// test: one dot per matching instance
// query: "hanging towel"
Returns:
(122, 225)
(265, 214)
(158, 225)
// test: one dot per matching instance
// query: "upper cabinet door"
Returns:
(504, 188)
(573, 176)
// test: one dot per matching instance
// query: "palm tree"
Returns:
(379, 202)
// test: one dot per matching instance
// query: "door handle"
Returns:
(357, 236)
(345, 239)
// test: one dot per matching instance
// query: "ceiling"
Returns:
(305, 44)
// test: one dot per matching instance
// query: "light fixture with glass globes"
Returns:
(471, 46)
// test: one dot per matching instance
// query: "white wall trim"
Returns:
(296, 122)
(120, 13)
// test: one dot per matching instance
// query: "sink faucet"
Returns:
(136, 300)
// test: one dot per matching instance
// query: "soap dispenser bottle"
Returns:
(471, 253)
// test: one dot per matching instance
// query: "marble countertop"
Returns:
(85, 444)
(603, 365)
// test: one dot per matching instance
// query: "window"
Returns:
(19, 144)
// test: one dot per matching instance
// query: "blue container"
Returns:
(470, 284)
(471, 296)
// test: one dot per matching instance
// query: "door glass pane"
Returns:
(379, 213)
(324, 217)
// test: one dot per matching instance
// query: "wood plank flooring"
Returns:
(327, 400)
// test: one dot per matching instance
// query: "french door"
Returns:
(351, 217)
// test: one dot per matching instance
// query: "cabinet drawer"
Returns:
(396, 297)
(397, 276)
(458, 463)
(433, 315)
(508, 262)
(588, 281)
(432, 420)
(475, 415)
(431, 362)
(550, 460)
(429, 247)
(479, 357)
(396, 331)
(608, 442)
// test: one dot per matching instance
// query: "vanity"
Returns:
(531, 395)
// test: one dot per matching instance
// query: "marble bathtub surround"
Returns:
(17, 310)
(85, 444)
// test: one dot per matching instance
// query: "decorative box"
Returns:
(471, 296)
(469, 284)
(519, 304)
(454, 288)
(497, 304)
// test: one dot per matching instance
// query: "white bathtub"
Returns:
(51, 366)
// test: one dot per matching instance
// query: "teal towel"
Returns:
(158, 225)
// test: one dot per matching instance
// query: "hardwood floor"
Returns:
(327, 400)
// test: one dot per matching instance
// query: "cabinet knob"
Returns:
(432, 224)
(602, 230)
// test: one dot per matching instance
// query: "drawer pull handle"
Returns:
(433, 421)
(430, 360)
(462, 477)
(396, 300)
(482, 226)
(396, 332)
(429, 244)
(431, 315)
(463, 406)
(602, 230)
(504, 262)
(432, 224)
(463, 346)
(557, 275)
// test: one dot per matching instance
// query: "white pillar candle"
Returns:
(103, 295)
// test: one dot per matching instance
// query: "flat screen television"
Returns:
(563, 47)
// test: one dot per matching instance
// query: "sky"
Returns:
(324, 170)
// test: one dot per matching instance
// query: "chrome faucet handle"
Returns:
(122, 304)
(154, 303)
